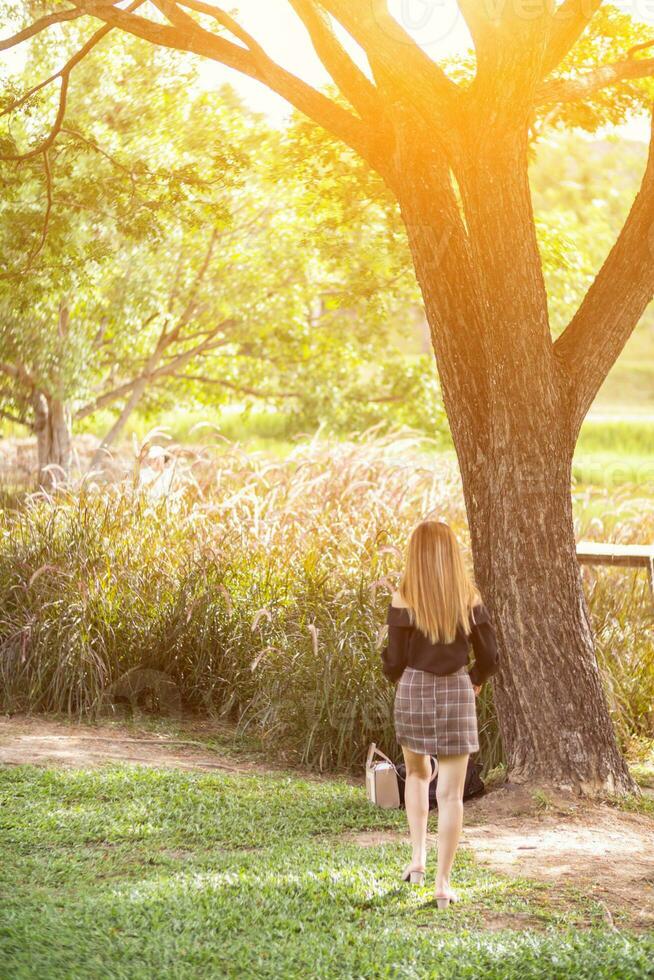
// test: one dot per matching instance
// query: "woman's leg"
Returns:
(416, 801)
(449, 794)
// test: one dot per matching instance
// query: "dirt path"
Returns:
(42, 743)
(34, 740)
(593, 848)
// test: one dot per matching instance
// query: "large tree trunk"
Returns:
(551, 707)
(507, 404)
(52, 425)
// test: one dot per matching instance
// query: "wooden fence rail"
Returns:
(625, 555)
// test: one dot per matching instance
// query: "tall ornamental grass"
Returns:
(259, 589)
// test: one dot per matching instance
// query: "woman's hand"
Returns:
(477, 689)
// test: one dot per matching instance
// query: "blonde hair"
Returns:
(436, 587)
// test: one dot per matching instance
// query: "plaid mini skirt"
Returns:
(435, 714)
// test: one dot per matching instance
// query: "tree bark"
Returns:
(52, 427)
(551, 708)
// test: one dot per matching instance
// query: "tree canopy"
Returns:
(174, 247)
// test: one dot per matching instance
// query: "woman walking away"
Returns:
(432, 619)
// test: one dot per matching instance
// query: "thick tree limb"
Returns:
(560, 90)
(639, 47)
(252, 61)
(477, 18)
(570, 21)
(179, 18)
(352, 82)
(370, 25)
(615, 302)
(396, 58)
(228, 22)
(510, 42)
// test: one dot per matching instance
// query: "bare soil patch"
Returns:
(42, 741)
(575, 846)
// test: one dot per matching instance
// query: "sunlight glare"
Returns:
(437, 25)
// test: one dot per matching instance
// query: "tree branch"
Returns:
(38, 248)
(106, 399)
(639, 47)
(151, 371)
(510, 44)
(190, 305)
(229, 23)
(560, 90)
(14, 418)
(570, 21)
(241, 389)
(476, 16)
(64, 74)
(176, 16)
(18, 372)
(92, 145)
(252, 61)
(396, 58)
(352, 82)
(184, 357)
(46, 143)
(39, 25)
(613, 305)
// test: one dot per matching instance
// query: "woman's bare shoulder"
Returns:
(398, 601)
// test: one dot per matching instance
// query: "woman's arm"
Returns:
(394, 653)
(484, 645)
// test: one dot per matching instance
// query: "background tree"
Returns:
(71, 253)
(150, 252)
(455, 152)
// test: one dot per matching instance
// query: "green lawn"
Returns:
(135, 873)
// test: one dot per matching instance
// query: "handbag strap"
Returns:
(373, 750)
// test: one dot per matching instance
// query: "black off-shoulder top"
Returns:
(409, 647)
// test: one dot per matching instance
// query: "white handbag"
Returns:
(382, 779)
